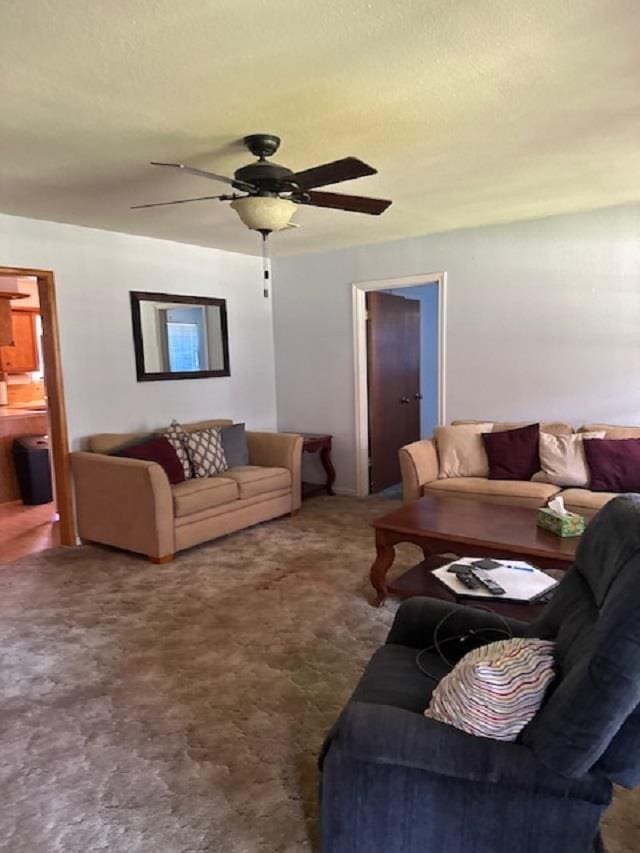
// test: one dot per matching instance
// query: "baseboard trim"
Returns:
(338, 490)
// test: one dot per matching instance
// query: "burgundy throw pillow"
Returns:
(158, 450)
(614, 464)
(513, 454)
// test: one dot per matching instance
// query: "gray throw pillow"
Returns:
(234, 441)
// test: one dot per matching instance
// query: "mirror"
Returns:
(179, 337)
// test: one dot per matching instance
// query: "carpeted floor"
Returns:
(179, 709)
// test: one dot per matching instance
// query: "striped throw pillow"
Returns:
(495, 690)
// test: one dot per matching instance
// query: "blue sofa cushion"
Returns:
(392, 677)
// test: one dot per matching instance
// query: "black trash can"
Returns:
(31, 459)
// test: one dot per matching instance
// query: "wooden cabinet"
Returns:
(22, 355)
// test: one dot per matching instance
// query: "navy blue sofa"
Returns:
(394, 781)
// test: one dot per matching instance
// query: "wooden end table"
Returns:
(319, 443)
(466, 528)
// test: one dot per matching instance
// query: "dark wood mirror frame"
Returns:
(143, 375)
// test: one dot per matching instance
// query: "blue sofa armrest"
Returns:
(383, 735)
(418, 618)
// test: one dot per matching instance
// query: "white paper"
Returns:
(557, 507)
(517, 583)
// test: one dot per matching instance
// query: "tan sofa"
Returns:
(419, 465)
(130, 504)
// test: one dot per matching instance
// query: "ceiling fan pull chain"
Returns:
(266, 265)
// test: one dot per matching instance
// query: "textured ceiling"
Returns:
(473, 111)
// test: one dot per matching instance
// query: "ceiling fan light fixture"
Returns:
(264, 213)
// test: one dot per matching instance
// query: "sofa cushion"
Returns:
(197, 426)
(254, 480)
(513, 454)
(105, 442)
(524, 492)
(392, 677)
(140, 439)
(206, 452)
(203, 493)
(562, 459)
(159, 450)
(613, 431)
(553, 427)
(583, 500)
(234, 442)
(614, 464)
(177, 438)
(460, 450)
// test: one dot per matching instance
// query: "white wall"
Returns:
(543, 323)
(95, 270)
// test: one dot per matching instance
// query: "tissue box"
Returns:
(562, 525)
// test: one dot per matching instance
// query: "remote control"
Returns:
(459, 569)
(468, 580)
(486, 564)
(486, 581)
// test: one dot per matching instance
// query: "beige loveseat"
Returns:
(420, 467)
(129, 503)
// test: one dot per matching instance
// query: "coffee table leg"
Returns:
(386, 554)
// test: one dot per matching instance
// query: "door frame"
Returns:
(56, 409)
(359, 299)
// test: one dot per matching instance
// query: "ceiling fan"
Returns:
(271, 192)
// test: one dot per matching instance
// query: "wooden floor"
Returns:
(26, 529)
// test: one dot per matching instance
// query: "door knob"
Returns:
(404, 400)
(417, 396)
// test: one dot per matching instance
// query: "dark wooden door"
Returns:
(393, 360)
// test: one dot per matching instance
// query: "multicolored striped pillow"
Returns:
(495, 690)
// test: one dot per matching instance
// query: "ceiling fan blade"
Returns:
(181, 201)
(210, 175)
(332, 173)
(352, 203)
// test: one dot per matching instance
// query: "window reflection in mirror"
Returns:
(179, 337)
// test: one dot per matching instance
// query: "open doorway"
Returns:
(35, 490)
(399, 372)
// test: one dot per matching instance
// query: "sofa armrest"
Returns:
(418, 619)
(124, 502)
(418, 465)
(279, 450)
(385, 735)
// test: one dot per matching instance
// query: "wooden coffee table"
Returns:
(466, 528)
